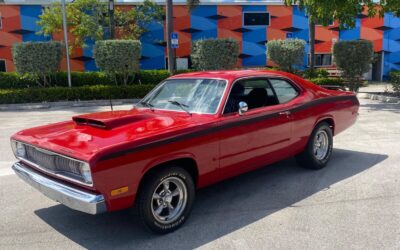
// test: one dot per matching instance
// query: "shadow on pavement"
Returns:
(218, 210)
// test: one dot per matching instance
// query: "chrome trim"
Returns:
(47, 170)
(168, 205)
(71, 197)
(189, 78)
(243, 107)
(321, 145)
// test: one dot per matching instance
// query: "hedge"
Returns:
(120, 58)
(315, 73)
(353, 58)
(152, 76)
(96, 92)
(328, 81)
(117, 55)
(215, 54)
(395, 80)
(286, 53)
(38, 59)
(11, 80)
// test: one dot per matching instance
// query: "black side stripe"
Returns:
(223, 127)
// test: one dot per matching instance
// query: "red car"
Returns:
(191, 131)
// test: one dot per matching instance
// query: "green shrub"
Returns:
(327, 81)
(353, 58)
(215, 54)
(83, 79)
(395, 80)
(315, 73)
(40, 59)
(286, 53)
(270, 68)
(96, 92)
(118, 58)
(156, 76)
(11, 80)
(153, 76)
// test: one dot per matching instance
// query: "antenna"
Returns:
(111, 104)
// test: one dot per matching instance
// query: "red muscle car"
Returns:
(190, 131)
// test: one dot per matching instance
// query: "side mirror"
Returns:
(243, 107)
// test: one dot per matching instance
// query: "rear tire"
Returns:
(319, 148)
(165, 199)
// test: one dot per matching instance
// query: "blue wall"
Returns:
(29, 17)
(206, 27)
(301, 29)
(391, 44)
(253, 38)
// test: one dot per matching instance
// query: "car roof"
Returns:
(231, 75)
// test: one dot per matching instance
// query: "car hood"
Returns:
(90, 134)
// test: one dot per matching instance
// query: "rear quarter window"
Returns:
(284, 90)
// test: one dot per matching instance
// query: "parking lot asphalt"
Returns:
(353, 203)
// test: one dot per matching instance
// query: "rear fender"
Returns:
(326, 117)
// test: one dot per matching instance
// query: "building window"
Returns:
(322, 60)
(3, 66)
(1, 21)
(255, 18)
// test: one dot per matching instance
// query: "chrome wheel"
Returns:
(169, 200)
(321, 145)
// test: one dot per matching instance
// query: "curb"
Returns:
(382, 98)
(48, 105)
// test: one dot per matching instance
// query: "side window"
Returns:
(3, 66)
(256, 93)
(284, 91)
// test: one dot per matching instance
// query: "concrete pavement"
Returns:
(353, 203)
(376, 87)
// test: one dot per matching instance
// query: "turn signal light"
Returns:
(119, 191)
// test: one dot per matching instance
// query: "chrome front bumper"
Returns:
(67, 195)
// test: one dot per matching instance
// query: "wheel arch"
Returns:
(186, 162)
(327, 119)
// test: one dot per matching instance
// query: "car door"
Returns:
(258, 137)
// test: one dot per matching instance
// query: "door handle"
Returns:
(285, 113)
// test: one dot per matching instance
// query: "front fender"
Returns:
(167, 158)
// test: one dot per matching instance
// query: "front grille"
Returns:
(53, 163)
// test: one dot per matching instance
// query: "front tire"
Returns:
(165, 200)
(319, 148)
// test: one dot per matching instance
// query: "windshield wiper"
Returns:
(181, 105)
(147, 104)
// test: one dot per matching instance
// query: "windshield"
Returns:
(190, 95)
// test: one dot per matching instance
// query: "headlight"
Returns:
(85, 172)
(18, 149)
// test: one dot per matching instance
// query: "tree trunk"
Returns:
(311, 25)
(170, 29)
